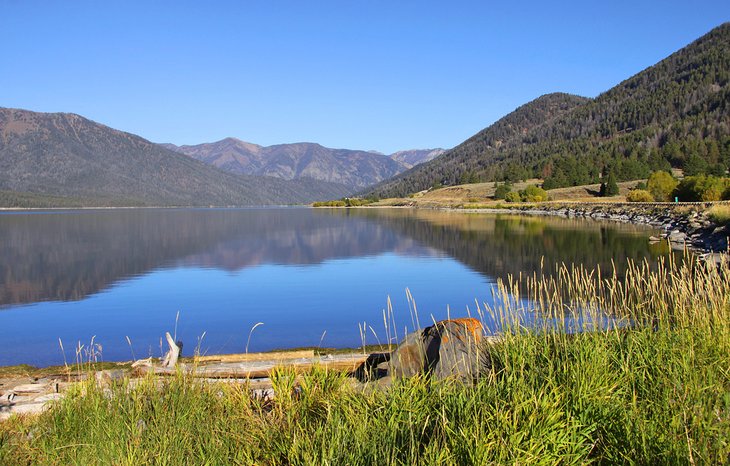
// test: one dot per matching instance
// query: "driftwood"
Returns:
(244, 357)
(170, 359)
(261, 368)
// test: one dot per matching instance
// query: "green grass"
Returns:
(655, 393)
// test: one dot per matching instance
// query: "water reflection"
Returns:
(63, 256)
(310, 275)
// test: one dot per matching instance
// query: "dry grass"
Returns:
(481, 194)
(720, 214)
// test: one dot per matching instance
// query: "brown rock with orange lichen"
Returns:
(447, 349)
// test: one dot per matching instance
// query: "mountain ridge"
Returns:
(675, 113)
(65, 154)
(356, 169)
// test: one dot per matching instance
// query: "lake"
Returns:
(312, 277)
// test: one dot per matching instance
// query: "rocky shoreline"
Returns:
(685, 225)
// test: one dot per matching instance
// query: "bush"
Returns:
(702, 188)
(345, 202)
(501, 190)
(639, 195)
(661, 185)
(512, 197)
(534, 194)
(329, 204)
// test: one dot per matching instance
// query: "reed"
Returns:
(651, 388)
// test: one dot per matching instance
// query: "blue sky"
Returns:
(374, 75)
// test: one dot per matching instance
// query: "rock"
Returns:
(375, 367)
(107, 377)
(48, 397)
(677, 237)
(30, 388)
(447, 349)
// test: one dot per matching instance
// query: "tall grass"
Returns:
(655, 390)
(720, 214)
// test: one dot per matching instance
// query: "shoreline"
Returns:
(684, 225)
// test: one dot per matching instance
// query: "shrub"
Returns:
(534, 194)
(329, 204)
(639, 195)
(661, 184)
(501, 190)
(702, 188)
(512, 197)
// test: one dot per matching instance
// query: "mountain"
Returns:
(63, 154)
(352, 168)
(675, 113)
(413, 157)
(470, 155)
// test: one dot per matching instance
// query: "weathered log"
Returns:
(260, 369)
(243, 357)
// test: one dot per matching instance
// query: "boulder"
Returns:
(447, 349)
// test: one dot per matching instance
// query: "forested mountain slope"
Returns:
(676, 113)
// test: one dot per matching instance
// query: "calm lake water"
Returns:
(311, 276)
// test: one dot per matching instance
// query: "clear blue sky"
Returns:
(381, 75)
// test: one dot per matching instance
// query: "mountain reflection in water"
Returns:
(328, 268)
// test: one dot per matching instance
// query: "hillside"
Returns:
(352, 168)
(50, 155)
(413, 157)
(675, 113)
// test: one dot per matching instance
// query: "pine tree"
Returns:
(609, 187)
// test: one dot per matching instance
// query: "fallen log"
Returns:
(243, 357)
(261, 369)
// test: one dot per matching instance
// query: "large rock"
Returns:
(449, 348)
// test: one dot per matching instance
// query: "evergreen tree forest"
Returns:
(673, 114)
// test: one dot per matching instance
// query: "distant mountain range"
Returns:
(354, 169)
(673, 114)
(52, 155)
(63, 159)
